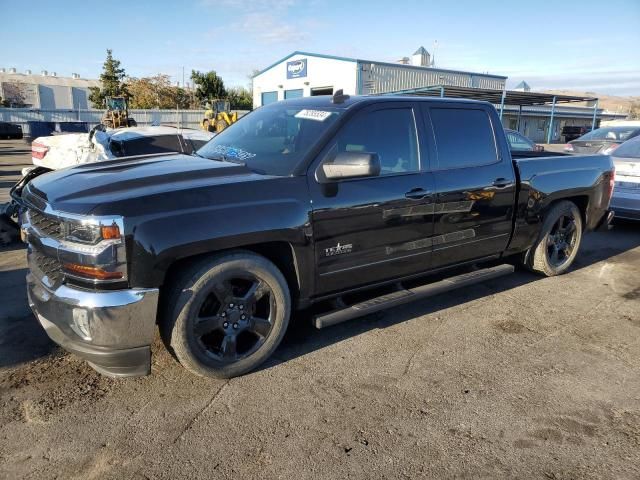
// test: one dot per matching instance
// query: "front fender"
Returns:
(158, 240)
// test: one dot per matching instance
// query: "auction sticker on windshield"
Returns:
(317, 115)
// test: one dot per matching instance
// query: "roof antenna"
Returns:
(339, 97)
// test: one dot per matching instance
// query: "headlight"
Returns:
(89, 233)
(93, 248)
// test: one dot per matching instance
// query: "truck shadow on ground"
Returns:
(303, 338)
(22, 338)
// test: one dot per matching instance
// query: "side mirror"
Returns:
(352, 165)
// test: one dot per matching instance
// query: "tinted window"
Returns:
(391, 133)
(272, 139)
(464, 137)
(148, 145)
(519, 143)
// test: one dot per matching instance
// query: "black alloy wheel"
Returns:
(225, 314)
(556, 248)
(561, 241)
(236, 317)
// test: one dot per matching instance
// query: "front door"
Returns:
(368, 230)
(475, 186)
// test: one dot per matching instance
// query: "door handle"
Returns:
(416, 194)
(501, 182)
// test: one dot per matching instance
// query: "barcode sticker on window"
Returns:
(317, 115)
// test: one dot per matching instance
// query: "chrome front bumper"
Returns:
(112, 330)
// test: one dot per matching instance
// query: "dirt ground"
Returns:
(522, 377)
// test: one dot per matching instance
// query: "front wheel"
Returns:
(226, 315)
(559, 240)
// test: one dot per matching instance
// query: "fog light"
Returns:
(80, 323)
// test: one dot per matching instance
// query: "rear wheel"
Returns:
(220, 125)
(559, 241)
(226, 315)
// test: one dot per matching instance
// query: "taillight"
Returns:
(609, 150)
(568, 147)
(38, 150)
(612, 182)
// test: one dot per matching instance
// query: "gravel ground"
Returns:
(521, 377)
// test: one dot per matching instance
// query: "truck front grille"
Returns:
(48, 226)
(49, 266)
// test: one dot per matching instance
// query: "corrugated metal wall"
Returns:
(80, 98)
(180, 118)
(383, 78)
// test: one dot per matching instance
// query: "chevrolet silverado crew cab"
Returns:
(349, 204)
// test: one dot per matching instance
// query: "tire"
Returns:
(220, 125)
(559, 240)
(211, 322)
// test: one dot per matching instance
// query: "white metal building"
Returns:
(46, 91)
(306, 74)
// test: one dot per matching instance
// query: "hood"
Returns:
(84, 188)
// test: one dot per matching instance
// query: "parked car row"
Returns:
(622, 143)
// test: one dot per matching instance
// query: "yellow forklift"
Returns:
(218, 116)
(117, 114)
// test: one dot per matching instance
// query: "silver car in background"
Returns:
(626, 194)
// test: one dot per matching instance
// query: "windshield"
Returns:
(629, 149)
(273, 139)
(613, 134)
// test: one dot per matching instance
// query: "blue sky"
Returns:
(592, 46)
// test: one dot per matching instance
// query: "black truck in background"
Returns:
(338, 202)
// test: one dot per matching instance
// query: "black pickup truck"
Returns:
(349, 204)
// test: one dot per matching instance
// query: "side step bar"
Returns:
(402, 296)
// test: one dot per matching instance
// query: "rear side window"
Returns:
(519, 143)
(464, 137)
(391, 133)
(154, 144)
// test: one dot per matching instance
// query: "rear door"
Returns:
(475, 183)
(373, 229)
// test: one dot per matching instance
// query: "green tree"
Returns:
(208, 85)
(156, 92)
(113, 83)
(240, 98)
